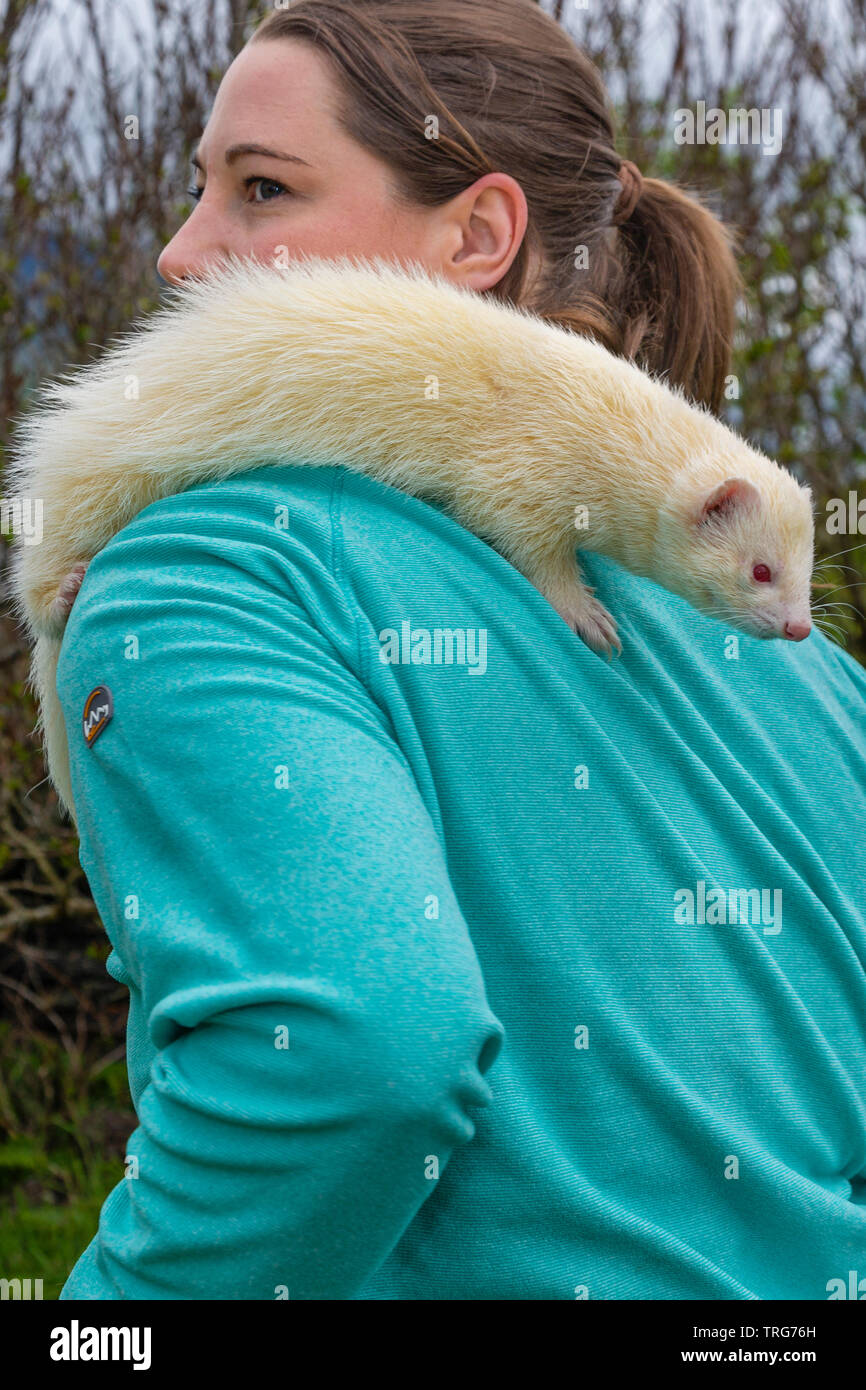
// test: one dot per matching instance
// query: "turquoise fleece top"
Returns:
(522, 974)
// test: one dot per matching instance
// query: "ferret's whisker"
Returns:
(829, 628)
(827, 558)
(716, 608)
(831, 565)
(846, 586)
(838, 603)
(838, 616)
(851, 570)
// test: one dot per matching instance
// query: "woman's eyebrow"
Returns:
(235, 151)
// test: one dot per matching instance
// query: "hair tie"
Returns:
(631, 179)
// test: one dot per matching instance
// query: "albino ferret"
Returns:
(522, 430)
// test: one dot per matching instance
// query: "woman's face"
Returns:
(280, 178)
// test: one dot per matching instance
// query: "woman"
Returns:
(528, 976)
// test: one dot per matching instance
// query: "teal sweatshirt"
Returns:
(463, 962)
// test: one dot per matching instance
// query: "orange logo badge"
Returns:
(98, 709)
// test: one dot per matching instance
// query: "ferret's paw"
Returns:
(592, 621)
(68, 592)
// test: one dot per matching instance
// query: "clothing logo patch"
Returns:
(98, 709)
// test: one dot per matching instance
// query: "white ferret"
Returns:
(519, 428)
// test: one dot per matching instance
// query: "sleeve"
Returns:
(310, 1006)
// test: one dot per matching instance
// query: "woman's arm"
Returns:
(309, 1029)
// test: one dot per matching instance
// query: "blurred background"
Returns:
(85, 209)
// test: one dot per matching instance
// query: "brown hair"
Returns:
(513, 93)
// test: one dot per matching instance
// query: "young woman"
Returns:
(426, 997)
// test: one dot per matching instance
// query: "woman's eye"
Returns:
(268, 188)
(265, 184)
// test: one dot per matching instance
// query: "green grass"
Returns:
(64, 1122)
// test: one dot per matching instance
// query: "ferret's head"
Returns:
(741, 547)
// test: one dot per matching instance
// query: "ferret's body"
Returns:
(536, 439)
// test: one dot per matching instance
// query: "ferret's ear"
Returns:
(726, 498)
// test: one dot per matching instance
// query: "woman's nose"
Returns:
(176, 269)
(194, 249)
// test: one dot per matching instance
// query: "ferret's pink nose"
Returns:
(795, 632)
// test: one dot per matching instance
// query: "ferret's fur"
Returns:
(509, 422)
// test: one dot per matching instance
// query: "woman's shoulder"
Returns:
(292, 524)
(280, 498)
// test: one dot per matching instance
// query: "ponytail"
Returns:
(666, 295)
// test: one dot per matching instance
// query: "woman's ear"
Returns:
(482, 230)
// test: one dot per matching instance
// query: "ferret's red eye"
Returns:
(762, 574)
